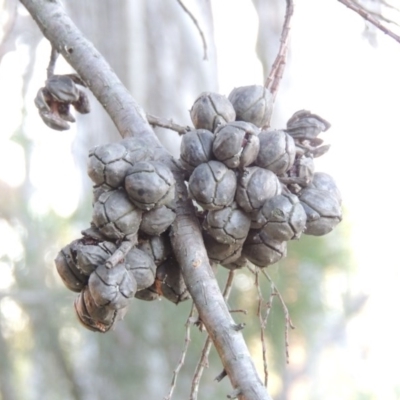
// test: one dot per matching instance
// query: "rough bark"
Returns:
(186, 237)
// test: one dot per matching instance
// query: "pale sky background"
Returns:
(333, 71)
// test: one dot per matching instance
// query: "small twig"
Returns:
(168, 124)
(52, 63)
(239, 310)
(122, 250)
(388, 5)
(263, 321)
(203, 361)
(288, 321)
(382, 17)
(277, 69)
(188, 323)
(203, 39)
(368, 17)
(221, 376)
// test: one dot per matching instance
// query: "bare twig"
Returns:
(277, 69)
(52, 63)
(168, 124)
(368, 17)
(203, 361)
(121, 252)
(382, 17)
(203, 39)
(188, 324)
(239, 310)
(288, 321)
(388, 5)
(263, 321)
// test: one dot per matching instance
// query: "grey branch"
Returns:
(168, 124)
(277, 69)
(191, 16)
(370, 18)
(186, 235)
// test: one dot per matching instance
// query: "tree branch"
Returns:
(368, 17)
(186, 236)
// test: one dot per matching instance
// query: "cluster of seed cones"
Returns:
(254, 188)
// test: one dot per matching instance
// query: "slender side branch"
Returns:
(277, 69)
(188, 324)
(203, 39)
(288, 321)
(368, 17)
(168, 124)
(52, 62)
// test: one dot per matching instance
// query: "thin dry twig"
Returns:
(203, 361)
(203, 38)
(239, 310)
(368, 17)
(382, 17)
(52, 63)
(277, 69)
(263, 321)
(288, 321)
(168, 124)
(188, 324)
(388, 5)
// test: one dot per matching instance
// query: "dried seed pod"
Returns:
(222, 253)
(82, 105)
(277, 151)
(112, 287)
(169, 281)
(196, 148)
(99, 190)
(252, 104)
(90, 253)
(211, 110)
(157, 220)
(73, 278)
(212, 185)
(62, 88)
(48, 111)
(256, 185)
(262, 250)
(64, 113)
(93, 317)
(323, 181)
(115, 216)
(236, 144)
(150, 184)
(148, 294)
(300, 175)
(323, 211)
(142, 268)
(228, 225)
(107, 165)
(157, 247)
(237, 264)
(110, 163)
(303, 125)
(282, 218)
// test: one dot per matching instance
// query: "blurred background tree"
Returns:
(44, 353)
